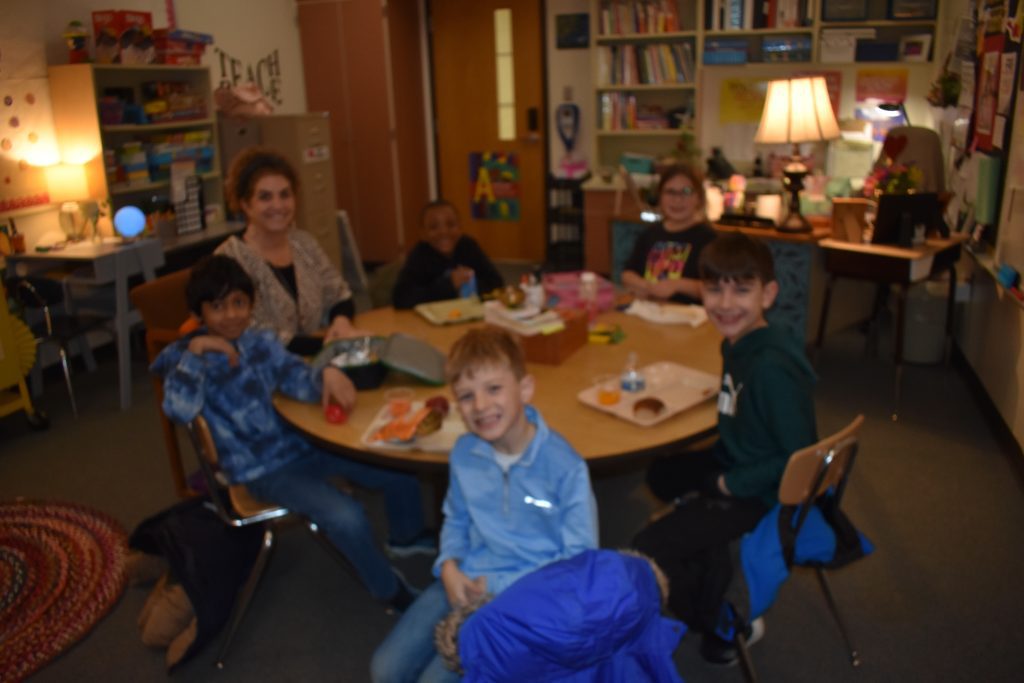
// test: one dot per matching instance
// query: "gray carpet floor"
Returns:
(940, 600)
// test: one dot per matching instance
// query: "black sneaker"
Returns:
(722, 652)
(424, 543)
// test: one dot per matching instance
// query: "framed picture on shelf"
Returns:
(911, 9)
(844, 10)
(915, 48)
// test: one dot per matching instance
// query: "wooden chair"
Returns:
(161, 303)
(812, 473)
(382, 282)
(236, 507)
(624, 235)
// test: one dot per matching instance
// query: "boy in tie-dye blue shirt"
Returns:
(228, 373)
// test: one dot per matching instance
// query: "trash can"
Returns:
(924, 324)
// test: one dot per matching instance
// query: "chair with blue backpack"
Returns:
(806, 529)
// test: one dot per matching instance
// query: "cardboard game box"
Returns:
(123, 37)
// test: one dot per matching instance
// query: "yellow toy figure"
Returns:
(76, 35)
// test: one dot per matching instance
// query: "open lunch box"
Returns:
(367, 360)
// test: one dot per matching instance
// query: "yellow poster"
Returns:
(741, 100)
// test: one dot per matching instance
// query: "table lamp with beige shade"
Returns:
(68, 187)
(796, 110)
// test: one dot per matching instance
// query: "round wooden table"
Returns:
(595, 435)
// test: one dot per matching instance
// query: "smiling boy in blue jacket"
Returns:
(519, 497)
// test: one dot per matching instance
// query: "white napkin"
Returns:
(669, 314)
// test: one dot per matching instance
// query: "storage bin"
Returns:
(565, 289)
(553, 349)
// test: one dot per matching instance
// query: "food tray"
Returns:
(440, 441)
(676, 386)
(452, 311)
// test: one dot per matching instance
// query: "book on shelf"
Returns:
(652, 64)
(746, 15)
(684, 52)
(788, 14)
(618, 17)
(668, 63)
(725, 51)
(618, 111)
(796, 48)
(604, 64)
(651, 117)
(738, 15)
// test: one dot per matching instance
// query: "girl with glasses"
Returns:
(663, 265)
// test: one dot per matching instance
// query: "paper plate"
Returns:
(451, 311)
(440, 441)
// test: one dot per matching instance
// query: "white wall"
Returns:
(568, 73)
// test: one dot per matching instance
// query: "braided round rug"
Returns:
(61, 570)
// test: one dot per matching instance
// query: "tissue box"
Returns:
(553, 349)
(123, 37)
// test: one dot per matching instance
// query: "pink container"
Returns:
(565, 287)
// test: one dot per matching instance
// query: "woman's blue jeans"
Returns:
(408, 653)
(303, 487)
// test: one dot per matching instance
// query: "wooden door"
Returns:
(466, 113)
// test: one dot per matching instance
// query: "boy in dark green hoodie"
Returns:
(765, 413)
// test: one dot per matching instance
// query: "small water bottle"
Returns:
(588, 293)
(632, 380)
(468, 288)
(534, 292)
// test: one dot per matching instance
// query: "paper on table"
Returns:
(451, 311)
(654, 312)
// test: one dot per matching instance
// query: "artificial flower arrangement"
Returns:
(893, 179)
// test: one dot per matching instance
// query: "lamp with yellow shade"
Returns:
(67, 186)
(796, 110)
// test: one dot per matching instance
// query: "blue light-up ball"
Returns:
(129, 221)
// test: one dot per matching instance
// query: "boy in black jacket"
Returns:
(765, 413)
(445, 264)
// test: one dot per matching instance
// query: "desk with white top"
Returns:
(102, 263)
(114, 262)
